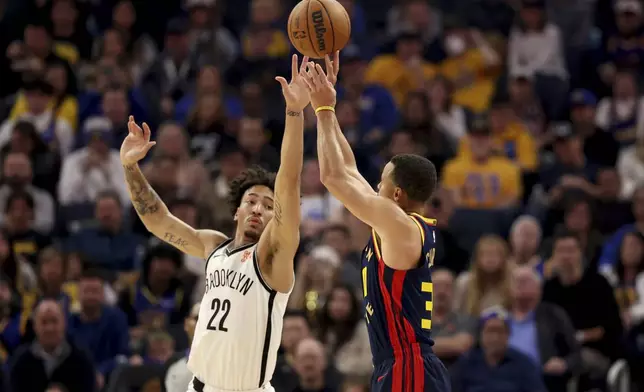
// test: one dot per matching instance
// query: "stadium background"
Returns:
(530, 110)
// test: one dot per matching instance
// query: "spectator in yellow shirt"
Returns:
(263, 37)
(471, 65)
(64, 105)
(482, 180)
(405, 70)
(510, 138)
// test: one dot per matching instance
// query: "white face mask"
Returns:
(454, 45)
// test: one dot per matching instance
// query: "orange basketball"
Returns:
(319, 27)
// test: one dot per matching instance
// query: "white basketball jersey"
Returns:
(240, 322)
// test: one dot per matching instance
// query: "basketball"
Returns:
(319, 27)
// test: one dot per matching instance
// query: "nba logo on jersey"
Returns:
(246, 256)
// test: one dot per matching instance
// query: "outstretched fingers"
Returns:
(336, 63)
(294, 67)
(146, 132)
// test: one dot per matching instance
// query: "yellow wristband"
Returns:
(323, 108)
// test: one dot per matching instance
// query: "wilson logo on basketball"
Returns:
(318, 24)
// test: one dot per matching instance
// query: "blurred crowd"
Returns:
(531, 110)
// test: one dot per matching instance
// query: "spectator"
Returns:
(16, 269)
(542, 331)
(580, 293)
(212, 42)
(262, 37)
(173, 143)
(600, 147)
(449, 252)
(18, 222)
(93, 169)
(71, 39)
(108, 243)
(492, 365)
(525, 241)
(620, 113)
(630, 165)
(10, 321)
(487, 283)
(378, 118)
(617, 52)
(535, 49)
(177, 376)
(98, 327)
(401, 72)
(115, 107)
(344, 332)
(417, 15)
(55, 131)
(527, 107)
(18, 175)
(452, 331)
(339, 237)
(158, 298)
(66, 364)
(611, 210)
(310, 364)
(318, 205)
(44, 162)
(253, 140)
(314, 279)
(627, 279)
(295, 328)
(448, 116)
(469, 66)
(610, 251)
(484, 180)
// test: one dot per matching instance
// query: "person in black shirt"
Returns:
(588, 299)
(600, 147)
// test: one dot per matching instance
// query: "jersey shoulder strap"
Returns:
(220, 246)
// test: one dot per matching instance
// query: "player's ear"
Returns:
(398, 192)
(235, 216)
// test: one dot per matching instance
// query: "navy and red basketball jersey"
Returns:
(398, 304)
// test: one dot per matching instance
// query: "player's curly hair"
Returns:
(250, 177)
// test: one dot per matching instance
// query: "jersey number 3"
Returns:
(216, 307)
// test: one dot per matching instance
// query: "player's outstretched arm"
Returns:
(148, 205)
(278, 244)
(382, 214)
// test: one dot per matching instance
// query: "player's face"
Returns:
(386, 187)
(255, 211)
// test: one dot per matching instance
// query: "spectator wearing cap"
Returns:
(493, 365)
(94, 168)
(106, 240)
(51, 358)
(510, 138)
(99, 328)
(17, 175)
(527, 106)
(471, 66)
(588, 300)
(600, 147)
(404, 70)
(621, 113)
(570, 170)
(378, 114)
(622, 49)
(53, 130)
(212, 42)
(483, 179)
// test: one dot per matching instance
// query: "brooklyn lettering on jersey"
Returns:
(228, 278)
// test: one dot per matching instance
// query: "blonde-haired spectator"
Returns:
(487, 283)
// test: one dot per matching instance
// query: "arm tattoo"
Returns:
(292, 113)
(144, 199)
(175, 240)
(277, 213)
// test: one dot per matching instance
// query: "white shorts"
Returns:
(197, 386)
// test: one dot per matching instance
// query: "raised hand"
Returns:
(136, 144)
(332, 67)
(295, 91)
(320, 84)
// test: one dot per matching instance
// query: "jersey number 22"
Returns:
(219, 306)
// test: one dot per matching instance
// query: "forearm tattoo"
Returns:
(292, 113)
(277, 212)
(144, 199)
(175, 240)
